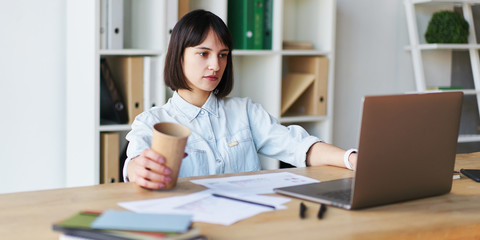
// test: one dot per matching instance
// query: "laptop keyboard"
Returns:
(344, 195)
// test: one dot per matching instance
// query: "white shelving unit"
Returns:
(258, 73)
(419, 46)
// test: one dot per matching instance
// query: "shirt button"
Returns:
(202, 112)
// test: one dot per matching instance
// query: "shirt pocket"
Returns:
(240, 152)
(196, 163)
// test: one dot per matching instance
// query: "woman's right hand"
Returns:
(149, 170)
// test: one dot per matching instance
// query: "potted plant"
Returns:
(447, 27)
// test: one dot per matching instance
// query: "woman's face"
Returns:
(204, 64)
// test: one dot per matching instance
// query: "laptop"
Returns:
(406, 151)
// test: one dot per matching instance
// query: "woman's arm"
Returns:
(321, 153)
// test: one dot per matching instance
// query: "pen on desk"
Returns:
(321, 211)
(303, 209)
(243, 200)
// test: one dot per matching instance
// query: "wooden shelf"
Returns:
(436, 46)
(281, 52)
(446, 1)
(300, 119)
(114, 128)
(130, 52)
(465, 91)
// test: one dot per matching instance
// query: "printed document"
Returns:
(254, 184)
(210, 209)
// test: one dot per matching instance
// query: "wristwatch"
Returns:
(347, 155)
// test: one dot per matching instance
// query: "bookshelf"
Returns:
(418, 13)
(258, 73)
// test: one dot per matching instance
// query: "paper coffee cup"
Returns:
(169, 140)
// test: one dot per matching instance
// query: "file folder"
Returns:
(103, 24)
(110, 157)
(246, 23)
(154, 93)
(268, 24)
(183, 8)
(112, 105)
(293, 86)
(115, 26)
(128, 73)
(313, 102)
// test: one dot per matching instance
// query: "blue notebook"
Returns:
(152, 222)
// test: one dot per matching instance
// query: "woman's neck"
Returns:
(195, 98)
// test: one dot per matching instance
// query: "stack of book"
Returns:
(121, 225)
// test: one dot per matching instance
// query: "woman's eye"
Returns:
(222, 55)
(203, 54)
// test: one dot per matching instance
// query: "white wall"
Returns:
(32, 94)
(370, 59)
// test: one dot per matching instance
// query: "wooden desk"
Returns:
(29, 215)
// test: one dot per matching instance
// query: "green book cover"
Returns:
(268, 24)
(80, 225)
(245, 21)
(258, 23)
(79, 220)
(445, 88)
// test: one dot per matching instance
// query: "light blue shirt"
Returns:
(226, 135)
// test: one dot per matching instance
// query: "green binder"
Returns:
(267, 24)
(246, 23)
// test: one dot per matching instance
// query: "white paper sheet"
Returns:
(254, 184)
(207, 208)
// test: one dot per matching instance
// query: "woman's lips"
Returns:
(211, 77)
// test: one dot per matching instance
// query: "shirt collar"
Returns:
(191, 111)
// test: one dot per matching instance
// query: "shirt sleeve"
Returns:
(139, 138)
(289, 144)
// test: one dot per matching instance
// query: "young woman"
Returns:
(226, 133)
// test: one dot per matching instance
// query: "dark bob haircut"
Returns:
(191, 30)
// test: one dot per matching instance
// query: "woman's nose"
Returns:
(213, 64)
